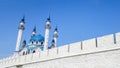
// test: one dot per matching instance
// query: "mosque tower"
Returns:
(55, 36)
(47, 27)
(19, 38)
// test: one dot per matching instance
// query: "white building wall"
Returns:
(94, 53)
(108, 59)
(117, 36)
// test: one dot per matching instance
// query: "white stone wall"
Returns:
(108, 59)
(101, 52)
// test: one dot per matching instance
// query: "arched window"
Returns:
(32, 42)
(23, 53)
(34, 51)
(41, 43)
(36, 42)
(26, 53)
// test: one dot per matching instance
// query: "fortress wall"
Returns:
(89, 44)
(75, 47)
(36, 56)
(117, 37)
(28, 58)
(63, 50)
(105, 41)
(83, 48)
(53, 52)
(107, 59)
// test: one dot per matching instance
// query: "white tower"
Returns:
(55, 36)
(20, 30)
(47, 27)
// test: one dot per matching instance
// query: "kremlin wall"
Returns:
(101, 52)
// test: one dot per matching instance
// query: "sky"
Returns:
(76, 20)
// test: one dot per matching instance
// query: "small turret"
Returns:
(24, 44)
(55, 36)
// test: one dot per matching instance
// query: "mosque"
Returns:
(37, 42)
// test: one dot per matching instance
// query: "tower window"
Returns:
(34, 51)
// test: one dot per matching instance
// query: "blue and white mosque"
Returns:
(36, 42)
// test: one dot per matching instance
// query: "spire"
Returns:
(55, 33)
(34, 31)
(56, 29)
(48, 23)
(48, 19)
(23, 44)
(53, 43)
(23, 19)
(22, 22)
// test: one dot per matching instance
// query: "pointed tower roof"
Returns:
(48, 19)
(24, 42)
(34, 30)
(23, 19)
(56, 29)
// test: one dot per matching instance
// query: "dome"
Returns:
(37, 38)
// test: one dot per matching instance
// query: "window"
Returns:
(36, 42)
(32, 42)
(28, 51)
(23, 53)
(34, 51)
(41, 43)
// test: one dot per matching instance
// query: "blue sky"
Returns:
(76, 20)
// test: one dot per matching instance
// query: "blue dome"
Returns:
(37, 38)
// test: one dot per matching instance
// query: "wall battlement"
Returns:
(95, 45)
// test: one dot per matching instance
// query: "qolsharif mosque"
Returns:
(37, 42)
(100, 52)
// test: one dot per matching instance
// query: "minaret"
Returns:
(47, 27)
(34, 32)
(55, 36)
(20, 31)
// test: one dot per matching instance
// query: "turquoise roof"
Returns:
(37, 38)
(31, 47)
